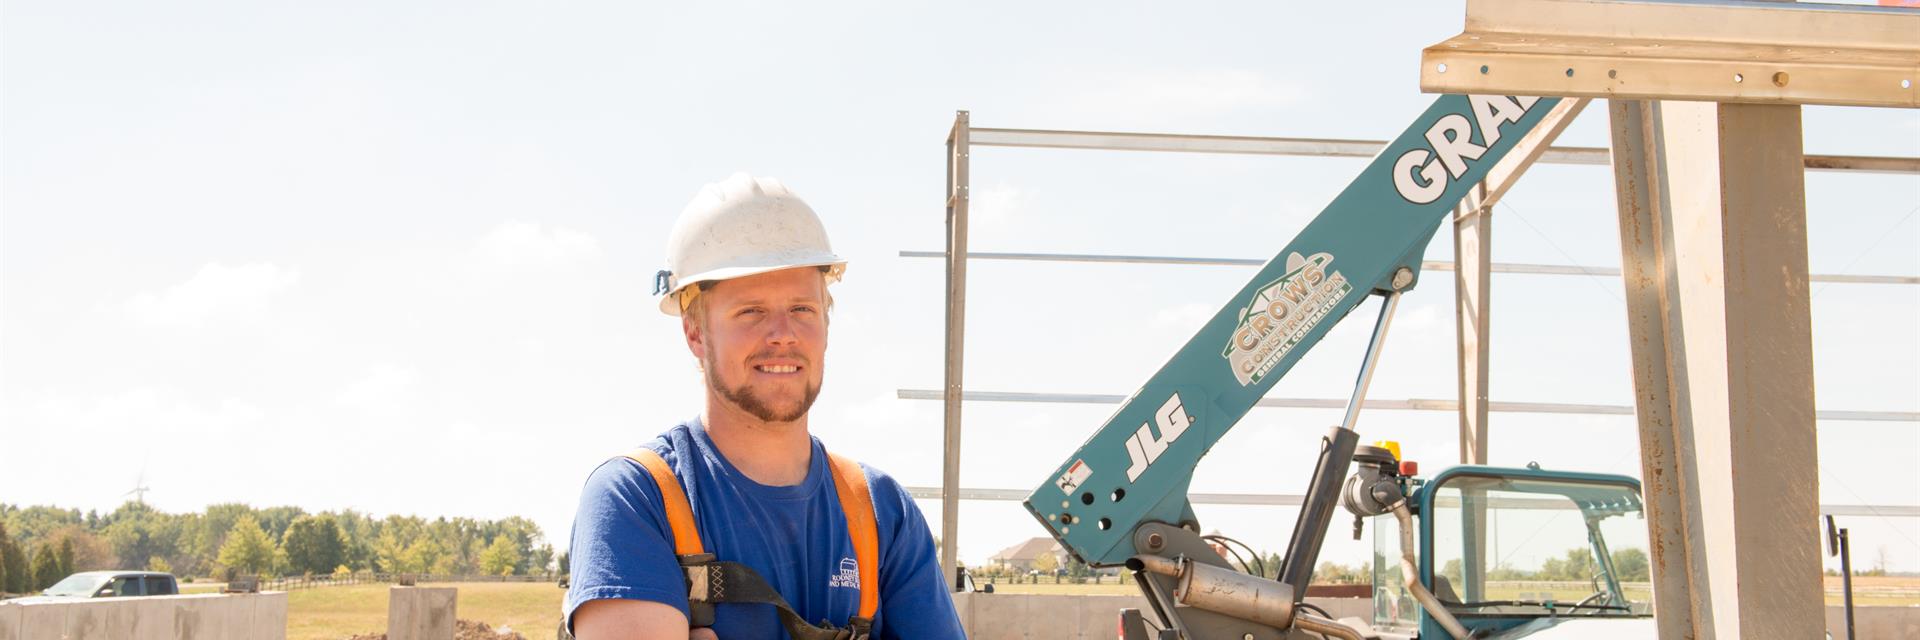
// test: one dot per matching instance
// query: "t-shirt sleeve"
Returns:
(914, 601)
(622, 546)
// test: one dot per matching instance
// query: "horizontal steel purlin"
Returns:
(1337, 148)
(1294, 500)
(1430, 265)
(1410, 404)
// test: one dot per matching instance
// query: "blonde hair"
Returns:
(693, 309)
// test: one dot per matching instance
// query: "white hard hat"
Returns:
(739, 227)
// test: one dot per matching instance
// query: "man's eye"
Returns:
(803, 309)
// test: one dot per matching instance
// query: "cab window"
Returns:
(1394, 608)
(159, 586)
(1521, 545)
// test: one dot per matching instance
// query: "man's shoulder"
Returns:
(622, 469)
(675, 445)
(886, 491)
(881, 482)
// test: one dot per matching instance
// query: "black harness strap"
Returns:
(712, 582)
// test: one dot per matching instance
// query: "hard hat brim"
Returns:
(670, 303)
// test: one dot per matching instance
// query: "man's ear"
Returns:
(696, 339)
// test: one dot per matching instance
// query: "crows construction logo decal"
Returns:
(1281, 313)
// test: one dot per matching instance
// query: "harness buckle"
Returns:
(705, 586)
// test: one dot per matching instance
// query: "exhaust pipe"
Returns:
(1410, 572)
(1222, 590)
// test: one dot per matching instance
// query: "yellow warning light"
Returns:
(1391, 447)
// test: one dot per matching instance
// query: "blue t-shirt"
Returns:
(794, 537)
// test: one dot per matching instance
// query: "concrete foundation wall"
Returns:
(1875, 623)
(245, 616)
(421, 613)
(1006, 616)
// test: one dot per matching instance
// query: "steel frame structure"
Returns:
(963, 137)
(1704, 107)
(1294, 500)
(1377, 404)
(1430, 265)
(1678, 166)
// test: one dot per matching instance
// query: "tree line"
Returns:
(39, 545)
(1576, 565)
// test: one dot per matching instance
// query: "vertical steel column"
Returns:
(1472, 281)
(1681, 598)
(957, 152)
(1714, 249)
(1472, 278)
(1472, 271)
(1473, 262)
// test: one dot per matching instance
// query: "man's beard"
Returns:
(754, 405)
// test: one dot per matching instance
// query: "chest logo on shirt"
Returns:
(849, 575)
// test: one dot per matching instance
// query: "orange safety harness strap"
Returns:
(686, 537)
(856, 503)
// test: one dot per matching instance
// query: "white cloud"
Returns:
(883, 413)
(526, 244)
(143, 409)
(1184, 317)
(153, 435)
(1423, 317)
(380, 381)
(996, 203)
(533, 347)
(216, 291)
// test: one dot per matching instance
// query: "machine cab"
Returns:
(1504, 548)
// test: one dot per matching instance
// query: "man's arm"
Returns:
(625, 582)
(621, 619)
(915, 601)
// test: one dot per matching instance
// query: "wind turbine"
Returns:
(139, 491)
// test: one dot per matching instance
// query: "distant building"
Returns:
(1021, 557)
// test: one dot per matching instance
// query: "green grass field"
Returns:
(1869, 592)
(332, 613)
(533, 608)
(1069, 589)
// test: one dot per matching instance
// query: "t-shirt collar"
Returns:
(816, 467)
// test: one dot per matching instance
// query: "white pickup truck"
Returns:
(107, 584)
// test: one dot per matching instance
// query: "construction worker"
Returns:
(669, 540)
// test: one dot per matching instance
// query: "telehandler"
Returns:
(1441, 569)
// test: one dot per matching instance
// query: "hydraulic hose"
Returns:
(1410, 571)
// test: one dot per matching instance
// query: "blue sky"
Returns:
(397, 257)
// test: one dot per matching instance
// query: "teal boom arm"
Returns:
(1135, 469)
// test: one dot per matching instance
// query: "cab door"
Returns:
(124, 586)
(160, 586)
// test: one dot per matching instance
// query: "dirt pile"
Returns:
(462, 630)
(470, 630)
